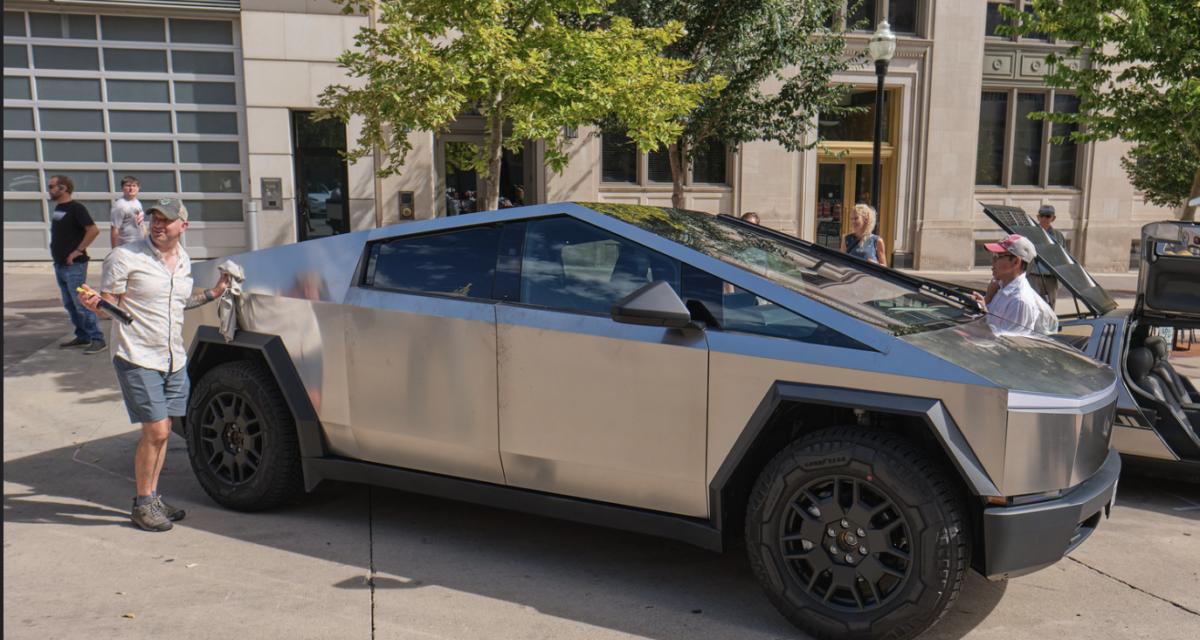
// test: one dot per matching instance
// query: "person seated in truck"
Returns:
(1011, 304)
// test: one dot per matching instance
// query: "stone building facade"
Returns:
(209, 100)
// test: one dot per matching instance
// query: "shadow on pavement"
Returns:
(631, 583)
(88, 379)
(1160, 494)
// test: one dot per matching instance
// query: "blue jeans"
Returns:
(69, 277)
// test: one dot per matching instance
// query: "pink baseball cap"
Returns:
(1015, 244)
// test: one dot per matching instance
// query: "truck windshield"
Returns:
(893, 305)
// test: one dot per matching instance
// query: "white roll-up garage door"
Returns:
(99, 96)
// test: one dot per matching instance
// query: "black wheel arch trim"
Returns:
(930, 410)
(208, 345)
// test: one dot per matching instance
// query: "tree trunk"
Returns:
(489, 199)
(1189, 212)
(677, 153)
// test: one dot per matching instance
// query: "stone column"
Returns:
(1107, 223)
(943, 216)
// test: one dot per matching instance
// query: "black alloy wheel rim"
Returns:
(846, 543)
(231, 438)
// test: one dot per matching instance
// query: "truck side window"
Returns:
(571, 265)
(736, 309)
(458, 263)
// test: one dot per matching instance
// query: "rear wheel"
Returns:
(242, 438)
(856, 533)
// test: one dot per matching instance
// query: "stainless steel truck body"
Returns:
(670, 372)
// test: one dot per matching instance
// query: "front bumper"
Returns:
(1023, 539)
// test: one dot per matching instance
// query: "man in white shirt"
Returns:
(128, 219)
(1011, 304)
(152, 280)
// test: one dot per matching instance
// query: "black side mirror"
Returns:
(656, 305)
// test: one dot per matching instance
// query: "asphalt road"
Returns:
(351, 561)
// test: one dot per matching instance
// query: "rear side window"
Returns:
(458, 263)
(571, 265)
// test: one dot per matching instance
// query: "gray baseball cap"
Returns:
(171, 208)
(1046, 210)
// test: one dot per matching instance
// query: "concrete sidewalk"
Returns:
(351, 561)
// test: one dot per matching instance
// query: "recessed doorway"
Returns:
(844, 167)
(322, 196)
(463, 188)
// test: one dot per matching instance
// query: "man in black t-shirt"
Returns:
(71, 231)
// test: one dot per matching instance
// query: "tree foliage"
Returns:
(1141, 82)
(524, 63)
(788, 44)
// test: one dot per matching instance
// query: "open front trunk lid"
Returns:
(1169, 277)
(1055, 257)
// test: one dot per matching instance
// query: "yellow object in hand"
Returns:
(121, 314)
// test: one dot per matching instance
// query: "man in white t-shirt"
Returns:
(128, 219)
(1011, 304)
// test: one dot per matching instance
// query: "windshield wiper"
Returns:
(931, 286)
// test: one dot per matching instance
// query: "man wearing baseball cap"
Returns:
(1040, 277)
(151, 279)
(1012, 306)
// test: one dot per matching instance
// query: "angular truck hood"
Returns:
(1030, 365)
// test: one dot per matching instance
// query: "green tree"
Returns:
(425, 62)
(1141, 82)
(786, 44)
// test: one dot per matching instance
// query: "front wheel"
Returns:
(242, 440)
(856, 533)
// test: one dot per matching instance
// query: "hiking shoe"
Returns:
(96, 346)
(77, 342)
(150, 516)
(173, 513)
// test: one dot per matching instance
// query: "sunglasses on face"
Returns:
(997, 256)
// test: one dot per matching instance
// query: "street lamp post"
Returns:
(881, 49)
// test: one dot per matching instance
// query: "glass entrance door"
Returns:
(322, 202)
(831, 203)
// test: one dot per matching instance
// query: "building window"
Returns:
(989, 158)
(995, 20)
(658, 166)
(92, 99)
(618, 158)
(1062, 156)
(863, 15)
(708, 165)
(620, 163)
(1027, 140)
(1016, 151)
(858, 126)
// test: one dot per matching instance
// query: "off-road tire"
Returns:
(877, 468)
(239, 403)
